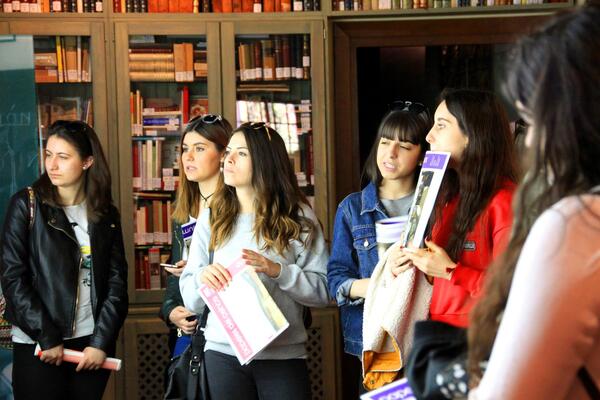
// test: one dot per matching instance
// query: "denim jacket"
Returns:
(353, 256)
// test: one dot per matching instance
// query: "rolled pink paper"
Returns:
(74, 356)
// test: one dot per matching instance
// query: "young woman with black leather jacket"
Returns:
(63, 270)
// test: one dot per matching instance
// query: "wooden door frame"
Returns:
(349, 36)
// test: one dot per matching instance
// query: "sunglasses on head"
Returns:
(257, 126)
(206, 118)
(410, 106)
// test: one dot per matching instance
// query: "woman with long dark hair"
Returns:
(63, 270)
(261, 214)
(540, 317)
(202, 147)
(473, 212)
(392, 170)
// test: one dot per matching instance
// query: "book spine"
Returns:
(258, 65)
(286, 57)
(306, 57)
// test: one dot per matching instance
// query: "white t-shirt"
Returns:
(84, 319)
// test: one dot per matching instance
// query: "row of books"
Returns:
(46, 6)
(145, 113)
(154, 163)
(149, 274)
(213, 6)
(69, 61)
(169, 62)
(293, 123)
(279, 57)
(152, 219)
(354, 5)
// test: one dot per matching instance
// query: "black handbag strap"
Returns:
(588, 383)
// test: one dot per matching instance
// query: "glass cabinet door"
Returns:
(164, 82)
(272, 79)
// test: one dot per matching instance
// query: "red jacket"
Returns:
(453, 299)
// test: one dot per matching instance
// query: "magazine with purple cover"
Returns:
(397, 390)
(428, 185)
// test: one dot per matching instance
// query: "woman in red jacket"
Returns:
(473, 216)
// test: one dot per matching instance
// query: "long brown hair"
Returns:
(487, 162)
(97, 178)
(188, 193)
(565, 148)
(278, 214)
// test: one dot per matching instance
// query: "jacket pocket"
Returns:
(365, 245)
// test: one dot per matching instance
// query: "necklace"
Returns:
(205, 198)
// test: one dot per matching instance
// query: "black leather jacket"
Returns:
(39, 271)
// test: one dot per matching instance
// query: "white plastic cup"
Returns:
(389, 231)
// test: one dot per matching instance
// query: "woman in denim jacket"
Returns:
(392, 169)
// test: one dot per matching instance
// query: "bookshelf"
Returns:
(271, 72)
(168, 74)
(67, 58)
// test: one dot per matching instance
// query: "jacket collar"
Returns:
(370, 200)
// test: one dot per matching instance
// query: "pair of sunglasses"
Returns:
(257, 126)
(206, 118)
(410, 106)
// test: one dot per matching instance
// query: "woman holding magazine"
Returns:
(63, 270)
(260, 214)
(473, 214)
(202, 147)
(392, 169)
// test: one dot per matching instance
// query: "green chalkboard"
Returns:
(19, 143)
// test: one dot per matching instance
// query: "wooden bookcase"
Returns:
(334, 38)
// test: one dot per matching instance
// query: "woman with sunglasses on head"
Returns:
(537, 330)
(202, 147)
(392, 169)
(63, 270)
(472, 218)
(261, 214)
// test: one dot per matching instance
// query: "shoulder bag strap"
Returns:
(588, 383)
(31, 206)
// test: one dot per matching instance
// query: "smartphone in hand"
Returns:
(191, 317)
(170, 265)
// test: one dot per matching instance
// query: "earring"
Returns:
(84, 167)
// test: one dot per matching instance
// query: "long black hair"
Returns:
(489, 159)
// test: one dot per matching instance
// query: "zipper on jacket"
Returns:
(76, 295)
(77, 275)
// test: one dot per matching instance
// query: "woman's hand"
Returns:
(53, 356)
(398, 262)
(179, 270)
(178, 317)
(92, 359)
(261, 263)
(359, 287)
(433, 260)
(215, 276)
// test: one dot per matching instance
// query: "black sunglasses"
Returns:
(257, 126)
(410, 106)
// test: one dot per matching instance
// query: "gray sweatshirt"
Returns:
(302, 282)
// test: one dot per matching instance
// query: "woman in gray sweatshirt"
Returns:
(260, 214)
